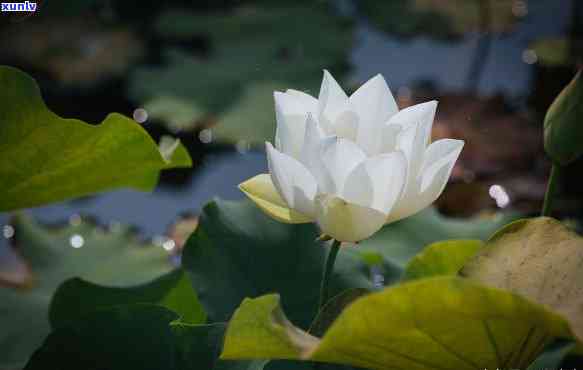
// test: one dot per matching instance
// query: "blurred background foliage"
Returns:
(205, 72)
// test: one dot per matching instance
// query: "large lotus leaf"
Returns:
(114, 258)
(45, 158)
(333, 309)
(238, 252)
(398, 242)
(199, 347)
(117, 338)
(135, 336)
(441, 258)
(539, 259)
(428, 324)
(233, 82)
(236, 121)
(77, 297)
(437, 18)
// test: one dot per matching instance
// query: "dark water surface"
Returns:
(446, 64)
(152, 213)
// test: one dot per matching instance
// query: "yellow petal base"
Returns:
(262, 192)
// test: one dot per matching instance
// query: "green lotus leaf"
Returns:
(237, 252)
(333, 309)
(539, 259)
(135, 336)
(77, 297)
(113, 258)
(442, 258)
(563, 129)
(45, 158)
(397, 243)
(437, 323)
(199, 347)
(117, 338)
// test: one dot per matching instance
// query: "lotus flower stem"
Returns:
(551, 190)
(324, 289)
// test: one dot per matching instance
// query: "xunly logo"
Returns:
(26, 6)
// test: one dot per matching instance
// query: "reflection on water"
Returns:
(499, 194)
(446, 64)
(153, 212)
(8, 231)
(76, 241)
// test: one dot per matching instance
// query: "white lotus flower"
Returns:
(351, 164)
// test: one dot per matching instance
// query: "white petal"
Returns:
(340, 156)
(293, 181)
(308, 102)
(291, 124)
(359, 188)
(331, 94)
(346, 125)
(345, 221)
(438, 163)
(289, 103)
(406, 144)
(416, 122)
(260, 189)
(389, 133)
(421, 115)
(377, 182)
(311, 155)
(439, 160)
(374, 104)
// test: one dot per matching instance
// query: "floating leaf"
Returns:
(45, 158)
(237, 252)
(76, 297)
(75, 53)
(553, 52)
(252, 118)
(437, 18)
(563, 128)
(467, 16)
(539, 259)
(437, 323)
(232, 83)
(442, 258)
(113, 258)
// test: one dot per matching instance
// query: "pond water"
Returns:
(402, 62)
(447, 64)
(152, 213)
